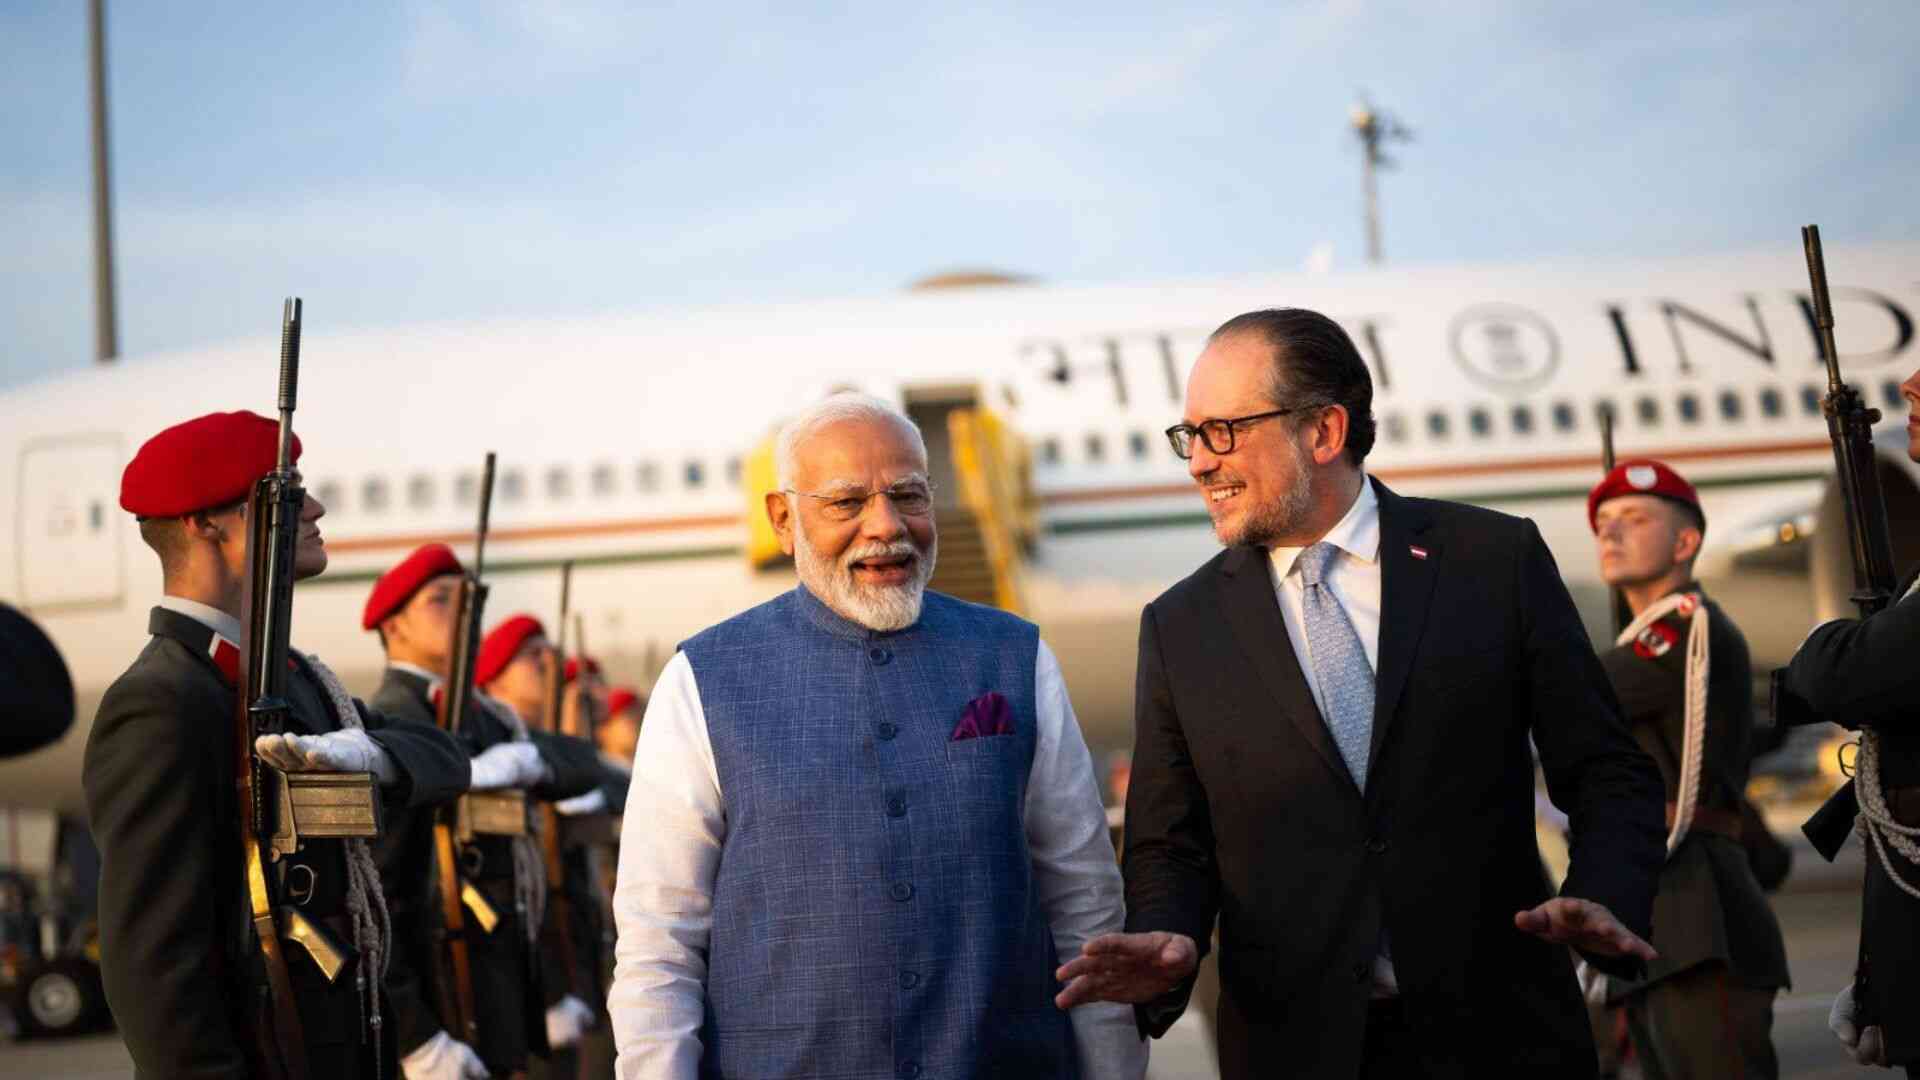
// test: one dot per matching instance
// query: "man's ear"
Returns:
(1686, 544)
(780, 516)
(1330, 434)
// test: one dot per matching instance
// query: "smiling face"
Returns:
(1263, 491)
(863, 557)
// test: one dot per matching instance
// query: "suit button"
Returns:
(879, 655)
(909, 980)
(1362, 971)
(887, 729)
(1378, 846)
(902, 892)
(909, 1070)
(896, 806)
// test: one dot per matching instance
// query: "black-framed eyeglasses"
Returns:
(1217, 433)
(912, 498)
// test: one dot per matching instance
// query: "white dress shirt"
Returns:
(210, 617)
(676, 825)
(1353, 577)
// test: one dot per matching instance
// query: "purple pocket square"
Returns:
(985, 715)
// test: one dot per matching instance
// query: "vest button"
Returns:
(1378, 846)
(1362, 971)
(879, 655)
(887, 729)
(902, 891)
(909, 980)
(909, 1070)
(896, 806)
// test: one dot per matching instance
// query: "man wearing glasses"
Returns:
(864, 827)
(1332, 728)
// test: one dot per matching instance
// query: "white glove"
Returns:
(346, 750)
(567, 1021)
(443, 1057)
(1593, 983)
(1865, 1046)
(593, 802)
(509, 765)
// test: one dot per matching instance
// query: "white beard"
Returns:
(879, 607)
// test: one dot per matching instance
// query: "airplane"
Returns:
(635, 447)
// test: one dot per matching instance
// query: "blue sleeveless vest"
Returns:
(874, 914)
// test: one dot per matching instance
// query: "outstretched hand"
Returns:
(1127, 968)
(1583, 925)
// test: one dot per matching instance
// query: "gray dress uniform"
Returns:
(182, 974)
(1705, 1007)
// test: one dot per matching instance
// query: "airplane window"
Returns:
(1137, 445)
(1891, 391)
(420, 492)
(646, 476)
(466, 488)
(559, 482)
(1396, 426)
(1688, 407)
(695, 474)
(733, 472)
(1770, 405)
(513, 484)
(1649, 410)
(1437, 424)
(1050, 451)
(1563, 418)
(96, 515)
(1096, 448)
(373, 495)
(602, 479)
(1479, 421)
(330, 495)
(1729, 405)
(1810, 399)
(1522, 420)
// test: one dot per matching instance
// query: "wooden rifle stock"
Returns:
(457, 1002)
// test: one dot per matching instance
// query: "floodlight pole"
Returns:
(1374, 127)
(106, 332)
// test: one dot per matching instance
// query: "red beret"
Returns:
(500, 645)
(398, 585)
(211, 461)
(573, 667)
(620, 699)
(1641, 476)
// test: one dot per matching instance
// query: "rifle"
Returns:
(278, 810)
(559, 906)
(451, 821)
(1617, 600)
(1850, 425)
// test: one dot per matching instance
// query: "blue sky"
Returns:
(424, 161)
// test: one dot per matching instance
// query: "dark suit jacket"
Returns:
(1862, 673)
(160, 797)
(1241, 807)
(506, 988)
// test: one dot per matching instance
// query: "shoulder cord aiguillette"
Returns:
(1694, 748)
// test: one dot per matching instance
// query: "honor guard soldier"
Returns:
(518, 665)
(193, 989)
(1685, 682)
(619, 733)
(412, 608)
(1863, 675)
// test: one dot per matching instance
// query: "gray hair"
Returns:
(831, 410)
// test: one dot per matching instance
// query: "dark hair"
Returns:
(1314, 364)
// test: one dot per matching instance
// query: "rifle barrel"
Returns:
(486, 507)
(289, 375)
(1822, 302)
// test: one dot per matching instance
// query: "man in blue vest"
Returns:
(864, 826)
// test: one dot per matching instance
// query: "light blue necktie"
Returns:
(1339, 663)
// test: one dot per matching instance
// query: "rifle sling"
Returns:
(287, 1033)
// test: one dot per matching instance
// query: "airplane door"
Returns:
(69, 522)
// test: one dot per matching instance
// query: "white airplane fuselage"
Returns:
(619, 439)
